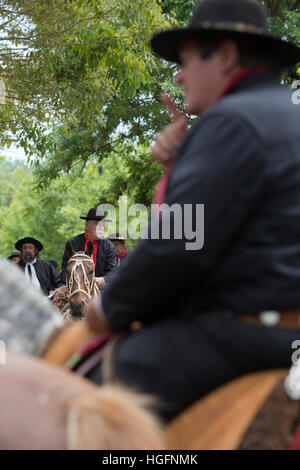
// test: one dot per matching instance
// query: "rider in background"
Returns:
(104, 253)
(39, 272)
(15, 257)
(122, 253)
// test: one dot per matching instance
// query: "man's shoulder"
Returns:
(267, 114)
(256, 100)
(265, 108)
(78, 239)
(107, 243)
(43, 263)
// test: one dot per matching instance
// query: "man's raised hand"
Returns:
(168, 140)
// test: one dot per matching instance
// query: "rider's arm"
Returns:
(111, 264)
(64, 263)
(56, 279)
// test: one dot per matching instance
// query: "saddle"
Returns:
(63, 343)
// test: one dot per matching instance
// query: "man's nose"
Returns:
(179, 77)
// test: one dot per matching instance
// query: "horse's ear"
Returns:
(69, 250)
(89, 249)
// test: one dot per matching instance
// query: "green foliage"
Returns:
(8, 180)
(63, 62)
(52, 214)
(179, 9)
(132, 119)
(82, 88)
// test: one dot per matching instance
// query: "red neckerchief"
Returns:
(123, 254)
(239, 77)
(95, 247)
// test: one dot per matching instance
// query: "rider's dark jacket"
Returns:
(242, 161)
(106, 257)
(47, 275)
(121, 260)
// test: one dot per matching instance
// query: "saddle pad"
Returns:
(219, 420)
(66, 342)
(275, 424)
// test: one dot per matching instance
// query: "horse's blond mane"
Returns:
(113, 418)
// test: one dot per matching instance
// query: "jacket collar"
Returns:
(251, 80)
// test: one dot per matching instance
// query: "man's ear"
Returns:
(89, 249)
(69, 250)
(229, 55)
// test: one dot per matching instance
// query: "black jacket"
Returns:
(121, 261)
(47, 275)
(106, 257)
(242, 161)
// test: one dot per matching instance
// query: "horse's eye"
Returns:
(91, 272)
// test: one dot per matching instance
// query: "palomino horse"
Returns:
(47, 407)
(80, 283)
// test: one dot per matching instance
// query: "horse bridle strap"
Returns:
(80, 259)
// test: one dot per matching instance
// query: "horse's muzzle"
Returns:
(77, 309)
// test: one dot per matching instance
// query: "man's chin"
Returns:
(193, 109)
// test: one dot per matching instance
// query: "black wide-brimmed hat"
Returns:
(24, 240)
(96, 214)
(14, 255)
(237, 18)
(117, 237)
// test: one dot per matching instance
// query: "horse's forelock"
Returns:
(79, 253)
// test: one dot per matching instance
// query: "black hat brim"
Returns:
(166, 44)
(96, 218)
(14, 255)
(35, 242)
(118, 239)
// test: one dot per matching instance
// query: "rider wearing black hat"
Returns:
(39, 272)
(104, 252)
(122, 252)
(230, 305)
(14, 257)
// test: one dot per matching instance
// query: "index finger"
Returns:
(170, 104)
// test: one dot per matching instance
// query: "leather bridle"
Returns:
(91, 287)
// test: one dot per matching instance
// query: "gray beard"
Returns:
(29, 258)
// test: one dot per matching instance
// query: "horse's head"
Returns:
(80, 278)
